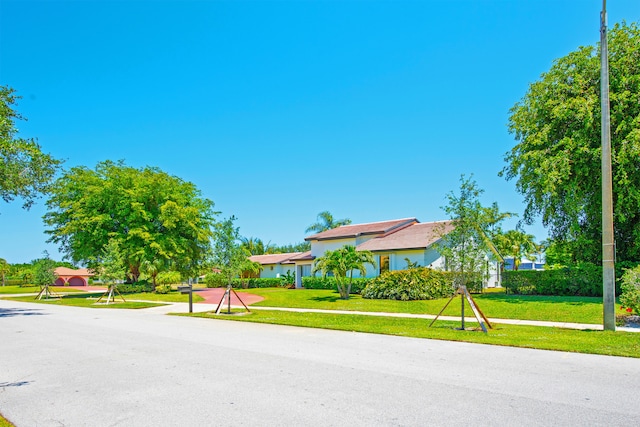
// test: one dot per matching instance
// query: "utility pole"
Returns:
(608, 245)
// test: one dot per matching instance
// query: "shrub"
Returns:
(168, 277)
(413, 284)
(256, 282)
(630, 287)
(580, 280)
(134, 288)
(163, 289)
(312, 282)
(215, 280)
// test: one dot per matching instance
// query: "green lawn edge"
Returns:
(624, 344)
(5, 422)
(87, 301)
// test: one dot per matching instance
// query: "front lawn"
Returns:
(494, 305)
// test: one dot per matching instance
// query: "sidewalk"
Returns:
(203, 307)
(213, 297)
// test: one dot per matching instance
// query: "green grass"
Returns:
(32, 289)
(5, 422)
(594, 342)
(493, 304)
(87, 301)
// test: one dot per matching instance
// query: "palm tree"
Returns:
(152, 268)
(326, 222)
(342, 262)
(516, 244)
(256, 246)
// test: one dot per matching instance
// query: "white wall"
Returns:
(319, 247)
(273, 270)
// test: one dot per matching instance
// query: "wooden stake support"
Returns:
(47, 293)
(111, 294)
(227, 297)
(464, 294)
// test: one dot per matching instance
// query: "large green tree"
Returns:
(557, 159)
(150, 214)
(326, 221)
(341, 263)
(25, 171)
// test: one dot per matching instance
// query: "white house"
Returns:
(275, 265)
(394, 243)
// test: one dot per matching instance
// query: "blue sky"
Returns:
(278, 110)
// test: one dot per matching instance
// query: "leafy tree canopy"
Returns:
(25, 171)
(229, 256)
(148, 213)
(557, 159)
(467, 245)
(43, 272)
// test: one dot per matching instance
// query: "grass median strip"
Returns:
(544, 338)
(493, 304)
(87, 301)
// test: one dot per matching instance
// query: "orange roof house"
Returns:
(72, 277)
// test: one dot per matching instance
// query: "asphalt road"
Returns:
(68, 366)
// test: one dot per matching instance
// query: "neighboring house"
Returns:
(525, 264)
(392, 243)
(72, 277)
(275, 265)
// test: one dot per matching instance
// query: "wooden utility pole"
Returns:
(608, 244)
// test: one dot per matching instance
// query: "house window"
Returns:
(384, 263)
(305, 270)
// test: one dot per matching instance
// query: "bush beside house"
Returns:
(412, 284)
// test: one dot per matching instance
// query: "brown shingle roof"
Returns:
(304, 256)
(356, 230)
(419, 235)
(273, 258)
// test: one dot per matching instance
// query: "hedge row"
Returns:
(581, 280)
(15, 282)
(134, 288)
(219, 281)
(413, 284)
(310, 282)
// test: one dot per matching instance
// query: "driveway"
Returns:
(86, 367)
(214, 295)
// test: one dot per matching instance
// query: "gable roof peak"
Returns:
(355, 230)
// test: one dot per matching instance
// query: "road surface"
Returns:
(70, 366)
